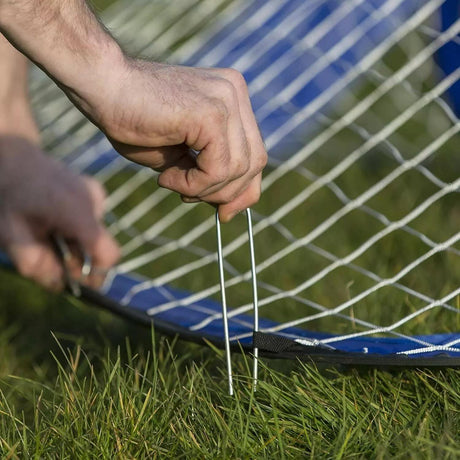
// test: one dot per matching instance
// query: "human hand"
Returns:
(156, 113)
(40, 198)
(152, 113)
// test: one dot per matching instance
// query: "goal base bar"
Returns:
(275, 346)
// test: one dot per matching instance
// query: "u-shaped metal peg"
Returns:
(220, 259)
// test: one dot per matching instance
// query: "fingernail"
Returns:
(188, 199)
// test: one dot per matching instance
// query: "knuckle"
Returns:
(236, 78)
(261, 162)
(241, 168)
(226, 90)
(218, 111)
(240, 83)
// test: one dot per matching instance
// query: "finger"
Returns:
(76, 211)
(221, 139)
(253, 134)
(254, 137)
(35, 259)
(230, 192)
(220, 162)
(101, 248)
(245, 200)
(79, 224)
(159, 158)
(97, 196)
(257, 157)
(237, 186)
(208, 171)
(104, 255)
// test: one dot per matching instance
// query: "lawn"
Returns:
(77, 382)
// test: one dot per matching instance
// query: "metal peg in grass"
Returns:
(220, 259)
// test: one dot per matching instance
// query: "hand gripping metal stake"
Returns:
(220, 259)
(66, 255)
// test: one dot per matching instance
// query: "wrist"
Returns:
(96, 82)
(65, 39)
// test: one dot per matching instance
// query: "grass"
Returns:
(78, 383)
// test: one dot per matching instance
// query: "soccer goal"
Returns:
(357, 232)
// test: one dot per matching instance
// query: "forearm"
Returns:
(15, 115)
(65, 39)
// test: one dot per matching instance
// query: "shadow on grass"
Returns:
(35, 324)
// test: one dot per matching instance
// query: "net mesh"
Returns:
(357, 233)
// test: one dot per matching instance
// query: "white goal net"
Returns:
(357, 232)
